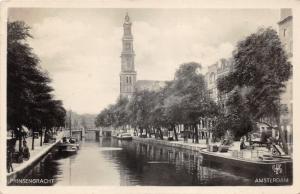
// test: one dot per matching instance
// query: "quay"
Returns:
(175, 144)
(36, 155)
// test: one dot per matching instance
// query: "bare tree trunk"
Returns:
(193, 133)
(20, 140)
(160, 134)
(45, 135)
(32, 145)
(175, 133)
(149, 131)
(146, 132)
(185, 131)
(141, 131)
(41, 141)
(282, 135)
(196, 133)
(136, 131)
(19, 136)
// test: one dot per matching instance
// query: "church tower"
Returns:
(128, 73)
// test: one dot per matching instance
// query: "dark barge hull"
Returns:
(262, 172)
(124, 138)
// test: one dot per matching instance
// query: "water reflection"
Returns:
(114, 162)
(158, 165)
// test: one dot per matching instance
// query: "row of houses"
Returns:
(216, 71)
(222, 67)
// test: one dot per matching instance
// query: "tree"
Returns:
(158, 118)
(140, 108)
(106, 117)
(236, 119)
(187, 98)
(120, 113)
(182, 101)
(29, 98)
(261, 67)
(21, 63)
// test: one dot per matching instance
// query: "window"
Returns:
(130, 80)
(127, 80)
(284, 32)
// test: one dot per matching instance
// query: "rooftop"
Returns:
(151, 85)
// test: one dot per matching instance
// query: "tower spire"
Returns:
(127, 18)
(128, 74)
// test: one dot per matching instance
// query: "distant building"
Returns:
(211, 81)
(286, 30)
(128, 81)
(285, 26)
(149, 85)
(218, 70)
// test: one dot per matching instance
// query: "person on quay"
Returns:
(25, 150)
(242, 144)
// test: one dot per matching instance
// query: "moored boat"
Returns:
(263, 167)
(68, 145)
(124, 136)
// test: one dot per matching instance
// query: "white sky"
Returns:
(80, 48)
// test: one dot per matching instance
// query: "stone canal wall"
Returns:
(35, 157)
(174, 144)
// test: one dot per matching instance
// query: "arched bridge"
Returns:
(91, 133)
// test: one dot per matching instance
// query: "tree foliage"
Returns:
(182, 101)
(30, 101)
(261, 68)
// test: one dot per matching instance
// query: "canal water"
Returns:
(114, 162)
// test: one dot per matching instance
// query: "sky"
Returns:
(81, 47)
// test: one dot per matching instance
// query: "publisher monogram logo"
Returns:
(277, 169)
